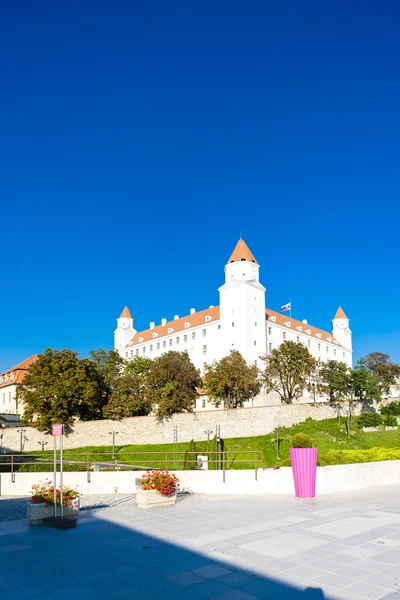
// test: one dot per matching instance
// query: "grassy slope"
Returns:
(327, 435)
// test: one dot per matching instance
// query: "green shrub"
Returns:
(309, 420)
(393, 408)
(190, 459)
(390, 420)
(369, 420)
(302, 440)
(344, 457)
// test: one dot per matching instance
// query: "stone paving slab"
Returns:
(337, 547)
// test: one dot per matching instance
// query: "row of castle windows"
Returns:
(298, 340)
(164, 345)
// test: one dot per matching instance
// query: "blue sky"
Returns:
(140, 139)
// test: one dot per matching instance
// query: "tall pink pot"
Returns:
(304, 467)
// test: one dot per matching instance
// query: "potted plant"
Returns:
(304, 465)
(41, 505)
(157, 488)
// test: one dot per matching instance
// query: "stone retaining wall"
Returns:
(145, 430)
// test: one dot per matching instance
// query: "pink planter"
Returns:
(304, 467)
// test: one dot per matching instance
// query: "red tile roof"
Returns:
(299, 326)
(242, 252)
(340, 314)
(16, 374)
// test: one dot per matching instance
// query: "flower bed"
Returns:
(157, 488)
(41, 505)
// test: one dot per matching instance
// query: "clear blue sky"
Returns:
(139, 138)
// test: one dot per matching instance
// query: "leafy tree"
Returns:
(172, 384)
(108, 366)
(364, 386)
(288, 369)
(59, 388)
(190, 458)
(385, 371)
(334, 380)
(231, 381)
(128, 399)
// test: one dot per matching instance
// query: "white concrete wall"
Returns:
(341, 478)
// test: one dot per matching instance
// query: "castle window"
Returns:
(233, 324)
(151, 347)
(164, 344)
(9, 396)
(137, 351)
(334, 351)
(319, 346)
(255, 324)
(208, 318)
(327, 348)
(343, 354)
(185, 338)
(170, 342)
(158, 345)
(298, 339)
(131, 352)
(269, 330)
(144, 349)
(309, 343)
(177, 340)
(255, 362)
(203, 403)
(204, 332)
(204, 349)
(126, 354)
(204, 367)
(255, 343)
(219, 326)
(270, 346)
(193, 335)
(284, 335)
(4, 398)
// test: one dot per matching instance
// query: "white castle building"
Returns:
(241, 322)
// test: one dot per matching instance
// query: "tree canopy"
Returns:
(334, 380)
(231, 381)
(385, 371)
(129, 397)
(173, 384)
(59, 388)
(288, 370)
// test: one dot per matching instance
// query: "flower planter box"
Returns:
(38, 513)
(367, 429)
(304, 467)
(390, 428)
(152, 498)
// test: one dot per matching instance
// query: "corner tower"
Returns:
(242, 306)
(125, 330)
(341, 330)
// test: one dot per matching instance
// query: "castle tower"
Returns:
(341, 330)
(125, 330)
(242, 306)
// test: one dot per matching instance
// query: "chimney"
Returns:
(192, 311)
(163, 322)
(176, 317)
(304, 321)
(152, 325)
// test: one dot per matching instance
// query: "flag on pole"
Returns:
(286, 307)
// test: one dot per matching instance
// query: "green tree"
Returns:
(385, 371)
(334, 380)
(108, 366)
(59, 388)
(364, 386)
(231, 381)
(190, 458)
(288, 370)
(128, 399)
(173, 384)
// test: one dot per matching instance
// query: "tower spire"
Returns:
(242, 252)
(126, 314)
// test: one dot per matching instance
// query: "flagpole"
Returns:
(290, 313)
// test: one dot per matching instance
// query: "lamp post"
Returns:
(208, 433)
(113, 433)
(21, 441)
(43, 444)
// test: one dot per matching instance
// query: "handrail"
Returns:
(121, 460)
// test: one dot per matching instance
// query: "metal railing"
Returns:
(132, 461)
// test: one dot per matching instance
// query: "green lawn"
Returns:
(327, 435)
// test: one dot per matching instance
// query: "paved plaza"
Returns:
(341, 546)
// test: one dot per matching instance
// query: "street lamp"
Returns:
(43, 444)
(21, 440)
(208, 433)
(113, 433)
